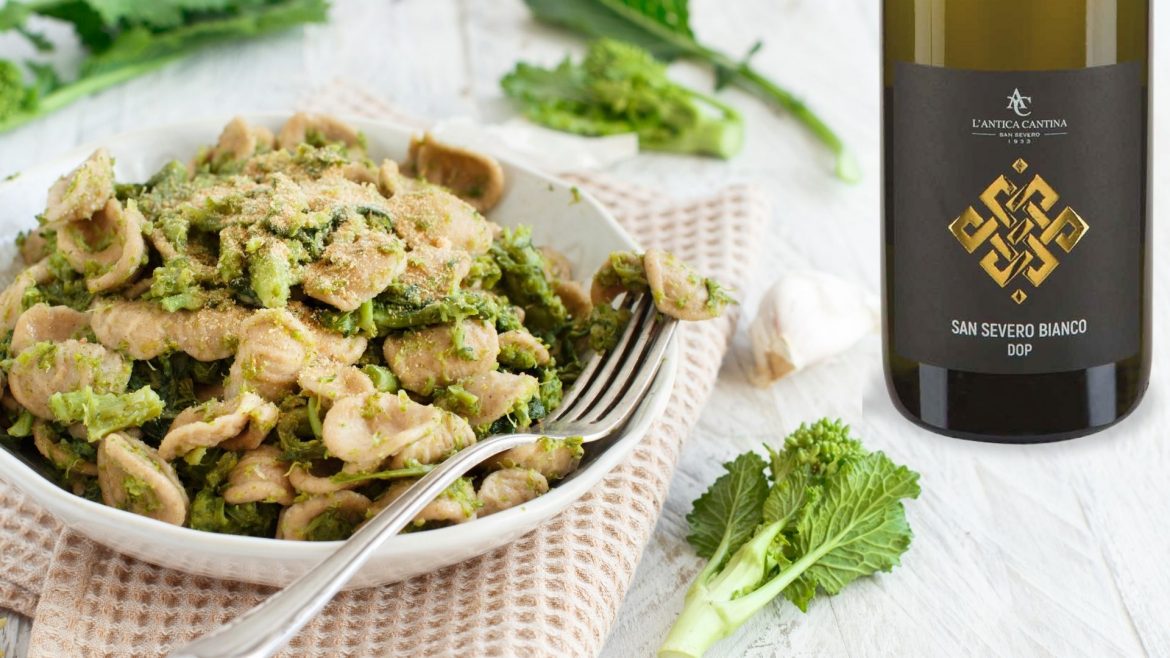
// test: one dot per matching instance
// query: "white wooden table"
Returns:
(1055, 550)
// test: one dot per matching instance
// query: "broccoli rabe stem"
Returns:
(83, 87)
(847, 168)
(718, 138)
(711, 611)
(721, 137)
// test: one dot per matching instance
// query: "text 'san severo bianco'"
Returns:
(1017, 210)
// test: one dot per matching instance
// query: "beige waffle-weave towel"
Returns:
(554, 592)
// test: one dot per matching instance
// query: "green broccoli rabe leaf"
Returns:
(726, 515)
(332, 525)
(174, 377)
(205, 468)
(620, 88)
(414, 470)
(833, 514)
(102, 413)
(387, 313)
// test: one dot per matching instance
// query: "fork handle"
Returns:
(263, 630)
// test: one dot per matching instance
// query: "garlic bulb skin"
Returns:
(807, 317)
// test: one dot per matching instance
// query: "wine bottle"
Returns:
(1016, 247)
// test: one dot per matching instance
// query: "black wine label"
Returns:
(1017, 217)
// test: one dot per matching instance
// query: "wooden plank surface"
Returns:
(1055, 550)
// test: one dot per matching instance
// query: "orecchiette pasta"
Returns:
(442, 355)
(47, 368)
(509, 487)
(279, 337)
(455, 505)
(475, 178)
(242, 422)
(261, 476)
(44, 323)
(134, 477)
(83, 192)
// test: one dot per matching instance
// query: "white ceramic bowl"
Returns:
(575, 224)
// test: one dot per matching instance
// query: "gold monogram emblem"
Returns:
(1020, 233)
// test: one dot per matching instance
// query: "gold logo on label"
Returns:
(1017, 239)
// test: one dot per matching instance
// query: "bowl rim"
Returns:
(26, 479)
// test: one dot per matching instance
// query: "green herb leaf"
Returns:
(859, 527)
(726, 515)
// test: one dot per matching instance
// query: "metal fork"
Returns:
(608, 392)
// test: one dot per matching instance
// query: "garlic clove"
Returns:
(807, 317)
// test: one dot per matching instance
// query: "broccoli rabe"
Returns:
(516, 357)
(620, 88)
(174, 287)
(102, 413)
(606, 325)
(828, 512)
(624, 270)
(386, 313)
(299, 444)
(206, 476)
(332, 525)
(456, 399)
(271, 271)
(124, 40)
(65, 286)
(382, 377)
(525, 281)
(23, 425)
(412, 470)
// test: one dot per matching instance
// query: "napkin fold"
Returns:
(554, 592)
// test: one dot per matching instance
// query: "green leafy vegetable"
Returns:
(663, 28)
(174, 286)
(127, 39)
(298, 441)
(388, 313)
(23, 425)
(333, 524)
(525, 282)
(411, 471)
(102, 413)
(382, 377)
(824, 513)
(620, 88)
(210, 512)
